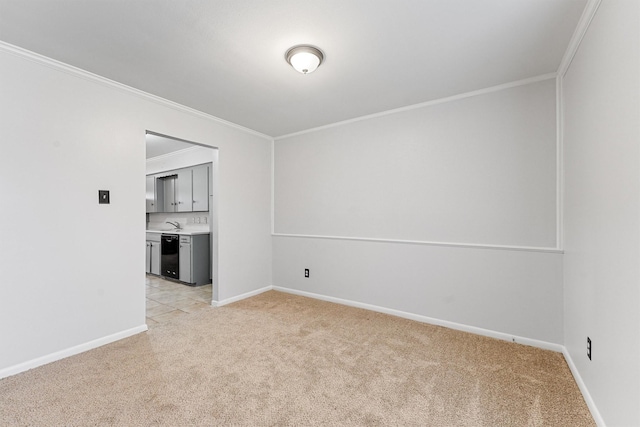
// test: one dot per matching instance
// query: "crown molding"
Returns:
(78, 72)
(497, 88)
(581, 29)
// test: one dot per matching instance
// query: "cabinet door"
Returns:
(155, 258)
(158, 193)
(185, 262)
(147, 261)
(184, 191)
(169, 193)
(151, 194)
(201, 188)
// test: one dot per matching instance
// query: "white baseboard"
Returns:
(583, 389)
(241, 297)
(81, 348)
(430, 320)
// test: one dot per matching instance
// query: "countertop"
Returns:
(181, 232)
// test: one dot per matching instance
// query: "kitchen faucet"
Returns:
(175, 224)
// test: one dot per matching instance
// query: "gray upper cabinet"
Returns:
(184, 194)
(166, 191)
(201, 188)
(182, 190)
(151, 194)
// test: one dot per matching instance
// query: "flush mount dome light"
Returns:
(304, 58)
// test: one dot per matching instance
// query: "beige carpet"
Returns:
(279, 359)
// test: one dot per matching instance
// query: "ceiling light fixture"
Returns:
(304, 58)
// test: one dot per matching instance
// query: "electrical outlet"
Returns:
(198, 220)
(589, 348)
(306, 272)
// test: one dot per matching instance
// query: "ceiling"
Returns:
(226, 57)
(157, 145)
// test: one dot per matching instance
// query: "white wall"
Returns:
(479, 170)
(602, 210)
(476, 170)
(78, 275)
(515, 293)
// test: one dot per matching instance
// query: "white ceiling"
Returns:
(159, 145)
(226, 57)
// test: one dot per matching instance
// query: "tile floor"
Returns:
(167, 300)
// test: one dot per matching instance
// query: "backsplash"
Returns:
(189, 220)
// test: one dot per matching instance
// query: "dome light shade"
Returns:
(304, 59)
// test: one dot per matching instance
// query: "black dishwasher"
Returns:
(169, 261)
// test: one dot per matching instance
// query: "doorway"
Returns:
(182, 202)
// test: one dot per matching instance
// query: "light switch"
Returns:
(103, 197)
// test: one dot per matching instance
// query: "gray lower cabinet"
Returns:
(185, 259)
(152, 259)
(147, 260)
(195, 261)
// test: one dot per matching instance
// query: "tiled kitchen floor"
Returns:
(167, 300)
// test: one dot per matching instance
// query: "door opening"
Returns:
(181, 208)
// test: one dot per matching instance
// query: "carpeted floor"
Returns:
(280, 359)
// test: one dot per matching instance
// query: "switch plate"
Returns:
(589, 348)
(103, 197)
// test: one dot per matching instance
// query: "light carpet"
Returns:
(279, 359)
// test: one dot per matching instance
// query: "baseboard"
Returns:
(81, 348)
(430, 320)
(241, 297)
(583, 389)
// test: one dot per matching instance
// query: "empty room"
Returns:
(412, 212)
